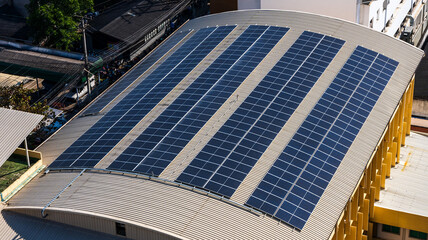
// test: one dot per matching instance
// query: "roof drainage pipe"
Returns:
(54, 52)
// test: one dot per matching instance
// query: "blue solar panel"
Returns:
(229, 156)
(136, 72)
(156, 147)
(95, 143)
(298, 178)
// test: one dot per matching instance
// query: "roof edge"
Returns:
(33, 210)
(308, 13)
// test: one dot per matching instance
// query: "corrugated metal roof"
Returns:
(406, 190)
(14, 128)
(187, 213)
(19, 226)
(125, 21)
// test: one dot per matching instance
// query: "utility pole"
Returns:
(88, 82)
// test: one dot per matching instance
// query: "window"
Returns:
(120, 229)
(390, 229)
(377, 14)
(371, 23)
(418, 235)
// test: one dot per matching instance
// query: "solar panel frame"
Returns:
(200, 171)
(138, 71)
(145, 144)
(95, 143)
(286, 197)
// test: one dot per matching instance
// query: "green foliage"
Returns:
(12, 169)
(19, 98)
(54, 23)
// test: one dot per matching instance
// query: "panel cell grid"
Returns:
(298, 178)
(228, 157)
(255, 142)
(213, 77)
(95, 143)
(136, 72)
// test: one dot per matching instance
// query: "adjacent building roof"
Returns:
(41, 61)
(248, 124)
(14, 128)
(12, 25)
(130, 20)
(406, 190)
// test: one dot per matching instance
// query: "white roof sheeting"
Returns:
(14, 128)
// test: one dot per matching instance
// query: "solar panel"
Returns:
(95, 143)
(156, 147)
(137, 71)
(236, 147)
(298, 178)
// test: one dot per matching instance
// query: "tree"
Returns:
(54, 23)
(19, 98)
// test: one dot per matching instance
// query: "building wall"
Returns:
(389, 19)
(375, 16)
(98, 223)
(218, 6)
(404, 234)
(344, 9)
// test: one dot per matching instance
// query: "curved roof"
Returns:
(257, 124)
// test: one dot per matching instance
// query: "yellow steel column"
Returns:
(366, 212)
(398, 146)
(353, 234)
(412, 85)
(399, 131)
(359, 225)
(378, 180)
(354, 207)
(370, 232)
(384, 170)
(372, 191)
(361, 196)
(340, 230)
(403, 136)
(388, 164)
(404, 129)
(348, 219)
(394, 153)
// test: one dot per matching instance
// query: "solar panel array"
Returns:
(95, 143)
(298, 178)
(228, 157)
(137, 72)
(156, 147)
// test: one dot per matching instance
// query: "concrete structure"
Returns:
(406, 19)
(403, 206)
(158, 206)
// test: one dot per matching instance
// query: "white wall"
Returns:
(344, 9)
(395, 9)
(248, 4)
